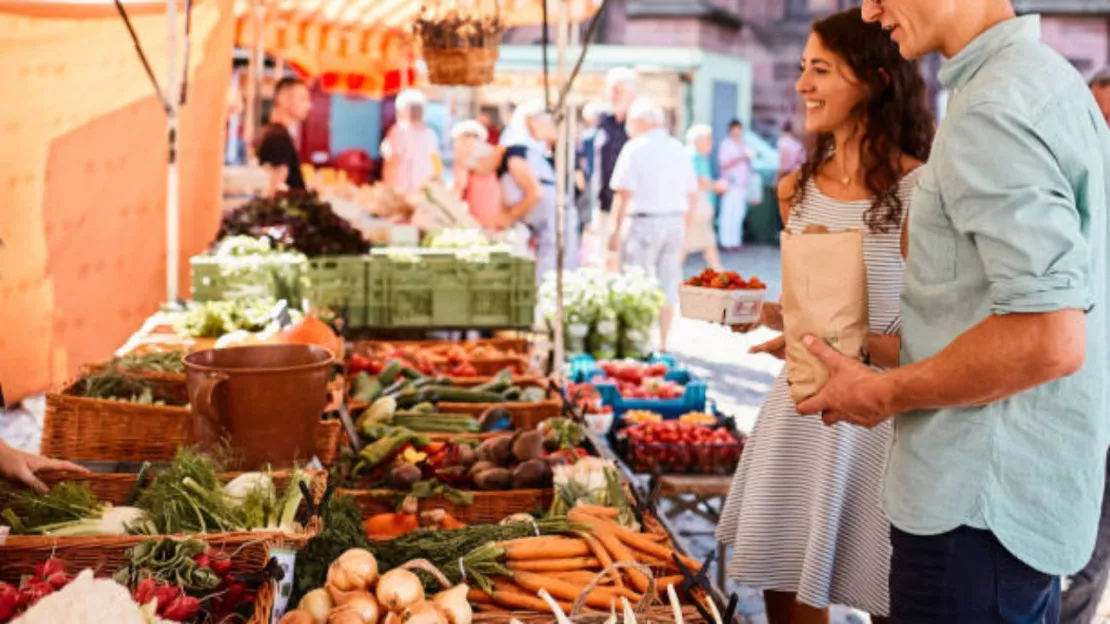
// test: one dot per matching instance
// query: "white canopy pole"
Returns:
(561, 145)
(173, 208)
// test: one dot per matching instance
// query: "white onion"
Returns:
(398, 589)
(316, 603)
(454, 604)
(424, 612)
(354, 569)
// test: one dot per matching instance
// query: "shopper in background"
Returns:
(700, 237)
(585, 160)
(22, 467)
(276, 151)
(490, 118)
(995, 478)
(656, 194)
(792, 154)
(477, 185)
(527, 174)
(621, 86)
(411, 149)
(735, 160)
(1084, 589)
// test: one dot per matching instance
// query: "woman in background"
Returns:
(477, 185)
(700, 237)
(527, 177)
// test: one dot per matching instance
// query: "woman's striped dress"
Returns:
(804, 513)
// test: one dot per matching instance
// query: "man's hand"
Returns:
(21, 467)
(854, 392)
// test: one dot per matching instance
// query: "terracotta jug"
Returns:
(266, 399)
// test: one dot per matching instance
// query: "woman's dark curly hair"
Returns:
(896, 112)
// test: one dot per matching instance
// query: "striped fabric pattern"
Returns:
(804, 514)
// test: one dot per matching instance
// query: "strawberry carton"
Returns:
(722, 297)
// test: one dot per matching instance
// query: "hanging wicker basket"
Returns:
(461, 67)
(459, 49)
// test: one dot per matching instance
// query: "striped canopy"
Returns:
(365, 47)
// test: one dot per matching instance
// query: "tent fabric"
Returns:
(365, 47)
(83, 156)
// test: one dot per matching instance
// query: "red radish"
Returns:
(182, 609)
(49, 567)
(220, 564)
(144, 593)
(203, 560)
(166, 594)
(58, 580)
(36, 590)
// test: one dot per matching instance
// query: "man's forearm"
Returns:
(998, 358)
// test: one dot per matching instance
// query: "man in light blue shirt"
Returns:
(995, 477)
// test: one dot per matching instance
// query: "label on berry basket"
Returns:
(287, 559)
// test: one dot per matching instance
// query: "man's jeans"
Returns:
(966, 576)
(1080, 602)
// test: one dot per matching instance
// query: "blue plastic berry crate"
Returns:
(583, 366)
(693, 400)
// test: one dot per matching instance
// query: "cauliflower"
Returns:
(90, 601)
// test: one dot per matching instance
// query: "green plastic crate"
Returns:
(443, 290)
(340, 282)
(335, 281)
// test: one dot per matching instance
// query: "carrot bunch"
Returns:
(565, 566)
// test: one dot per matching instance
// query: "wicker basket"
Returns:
(524, 415)
(77, 428)
(470, 67)
(488, 507)
(80, 428)
(106, 554)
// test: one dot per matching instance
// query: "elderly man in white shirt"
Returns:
(655, 194)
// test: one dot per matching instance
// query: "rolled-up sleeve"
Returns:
(1019, 210)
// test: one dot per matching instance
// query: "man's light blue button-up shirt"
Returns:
(1009, 217)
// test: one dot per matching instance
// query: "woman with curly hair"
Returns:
(804, 516)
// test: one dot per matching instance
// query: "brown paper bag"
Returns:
(824, 293)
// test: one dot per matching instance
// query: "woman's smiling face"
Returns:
(830, 90)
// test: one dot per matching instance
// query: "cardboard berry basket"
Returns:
(726, 307)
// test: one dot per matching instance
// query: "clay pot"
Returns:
(266, 400)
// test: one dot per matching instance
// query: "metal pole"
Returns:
(560, 192)
(251, 108)
(173, 216)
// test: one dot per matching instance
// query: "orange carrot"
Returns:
(600, 597)
(387, 526)
(546, 547)
(610, 513)
(578, 577)
(612, 543)
(638, 542)
(553, 565)
(603, 558)
(476, 594)
(509, 595)
(662, 583)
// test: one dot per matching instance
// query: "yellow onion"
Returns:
(392, 618)
(359, 601)
(424, 612)
(455, 604)
(297, 617)
(398, 589)
(354, 569)
(317, 603)
(344, 615)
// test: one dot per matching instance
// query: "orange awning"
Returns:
(365, 47)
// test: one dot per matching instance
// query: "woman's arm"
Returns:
(522, 174)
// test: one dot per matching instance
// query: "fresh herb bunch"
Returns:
(113, 383)
(295, 220)
(65, 502)
(158, 362)
(187, 497)
(342, 531)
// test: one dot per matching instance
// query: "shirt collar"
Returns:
(959, 70)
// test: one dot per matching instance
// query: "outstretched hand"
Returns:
(853, 393)
(24, 468)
